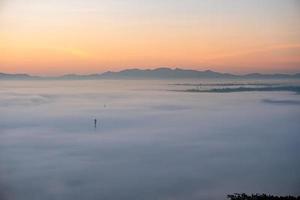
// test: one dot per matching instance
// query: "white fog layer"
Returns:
(151, 141)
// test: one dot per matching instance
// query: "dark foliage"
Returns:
(260, 197)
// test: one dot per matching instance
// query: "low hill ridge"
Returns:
(158, 73)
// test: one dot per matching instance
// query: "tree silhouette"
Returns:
(244, 196)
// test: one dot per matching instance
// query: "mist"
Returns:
(150, 142)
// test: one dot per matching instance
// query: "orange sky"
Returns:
(88, 36)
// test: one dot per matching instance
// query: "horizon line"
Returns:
(149, 69)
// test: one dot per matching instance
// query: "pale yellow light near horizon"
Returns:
(57, 37)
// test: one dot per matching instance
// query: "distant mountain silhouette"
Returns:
(159, 73)
(16, 76)
(164, 73)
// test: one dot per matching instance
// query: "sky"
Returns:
(53, 37)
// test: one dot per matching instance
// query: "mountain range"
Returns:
(159, 73)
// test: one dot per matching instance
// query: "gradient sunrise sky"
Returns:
(51, 37)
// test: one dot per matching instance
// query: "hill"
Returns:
(159, 73)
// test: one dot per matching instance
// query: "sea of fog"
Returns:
(154, 140)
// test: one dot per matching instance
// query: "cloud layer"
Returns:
(149, 144)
